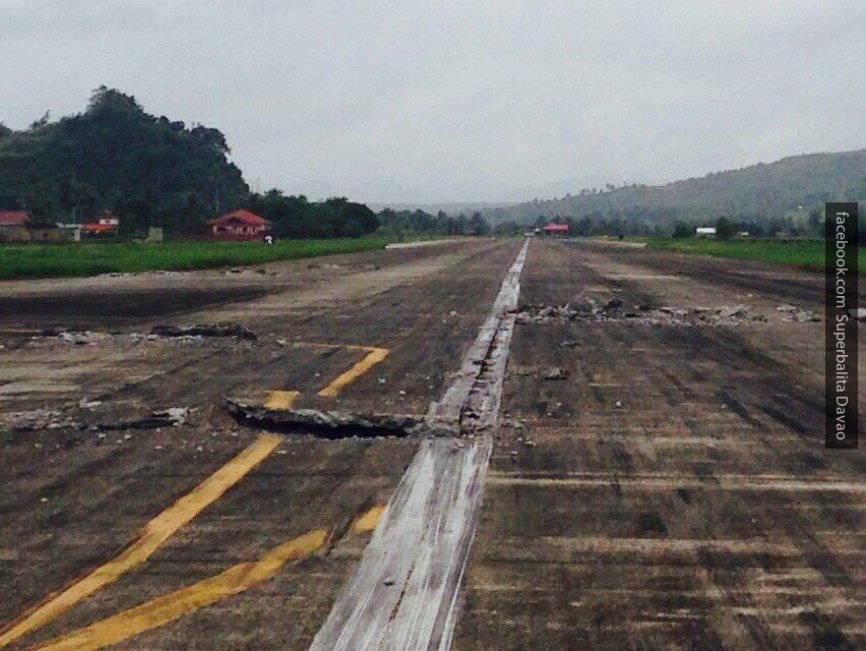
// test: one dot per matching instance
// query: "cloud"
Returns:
(421, 101)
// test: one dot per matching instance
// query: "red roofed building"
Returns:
(107, 224)
(239, 225)
(14, 218)
(556, 229)
(13, 226)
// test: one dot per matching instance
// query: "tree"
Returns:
(41, 122)
(682, 230)
(725, 228)
(296, 217)
(816, 222)
(117, 157)
(478, 225)
(395, 223)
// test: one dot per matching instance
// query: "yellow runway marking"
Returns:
(374, 356)
(167, 608)
(237, 579)
(367, 522)
(281, 400)
(284, 400)
(157, 531)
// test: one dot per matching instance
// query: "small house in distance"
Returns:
(47, 232)
(705, 231)
(20, 226)
(560, 230)
(239, 225)
(13, 226)
(106, 224)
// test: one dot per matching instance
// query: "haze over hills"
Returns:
(758, 193)
(450, 207)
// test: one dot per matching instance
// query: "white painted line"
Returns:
(403, 595)
(414, 245)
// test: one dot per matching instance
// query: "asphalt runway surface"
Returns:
(657, 478)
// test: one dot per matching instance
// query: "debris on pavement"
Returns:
(676, 312)
(729, 311)
(171, 417)
(33, 419)
(612, 304)
(197, 333)
(176, 416)
(792, 313)
(213, 330)
(330, 424)
(585, 309)
(805, 315)
(77, 338)
(556, 374)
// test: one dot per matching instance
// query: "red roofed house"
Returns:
(13, 226)
(14, 218)
(107, 224)
(556, 229)
(239, 225)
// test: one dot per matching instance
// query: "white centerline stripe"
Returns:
(403, 594)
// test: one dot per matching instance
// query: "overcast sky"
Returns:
(434, 100)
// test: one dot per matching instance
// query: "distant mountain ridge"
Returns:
(759, 192)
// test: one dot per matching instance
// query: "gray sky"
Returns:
(430, 101)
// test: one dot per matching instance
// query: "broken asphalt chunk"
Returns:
(729, 311)
(331, 424)
(612, 304)
(556, 374)
(215, 330)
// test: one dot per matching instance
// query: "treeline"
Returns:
(680, 224)
(812, 226)
(296, 217)
(399, 223)
(150, 171)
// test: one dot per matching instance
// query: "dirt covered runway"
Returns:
(658, 478)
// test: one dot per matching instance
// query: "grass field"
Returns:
(808, 254)
(52, 261)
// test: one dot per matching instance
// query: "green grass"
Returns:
(807, 254)
(57, 260)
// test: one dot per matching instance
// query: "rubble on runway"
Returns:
(588, 309)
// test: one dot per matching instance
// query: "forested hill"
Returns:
(758, 193)
(152, 171)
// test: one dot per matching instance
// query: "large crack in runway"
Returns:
(404, 592)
